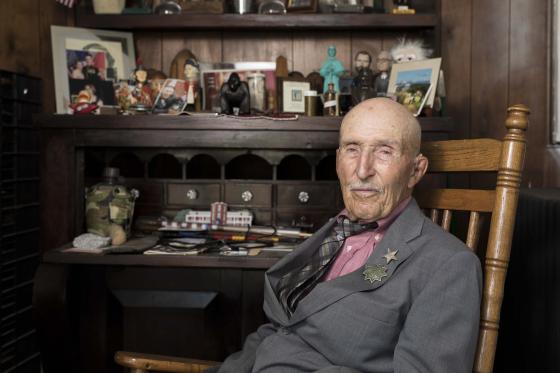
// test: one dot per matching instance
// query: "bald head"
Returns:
(388, 113)
(378, 161)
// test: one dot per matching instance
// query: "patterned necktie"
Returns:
(295, 285)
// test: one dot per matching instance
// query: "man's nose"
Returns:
(366, 165)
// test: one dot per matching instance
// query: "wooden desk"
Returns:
(89, 306)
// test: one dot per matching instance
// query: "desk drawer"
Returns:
(193, 194)
(298, 195)
(255, 195)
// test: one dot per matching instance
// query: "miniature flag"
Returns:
(68, 3)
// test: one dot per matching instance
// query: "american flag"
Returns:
(68, 3)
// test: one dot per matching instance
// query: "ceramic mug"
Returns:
(108, 6)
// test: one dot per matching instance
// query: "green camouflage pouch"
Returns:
(106, 204)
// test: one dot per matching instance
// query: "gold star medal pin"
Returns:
(374, 273)
(391, 255)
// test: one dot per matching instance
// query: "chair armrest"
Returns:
(146, 362)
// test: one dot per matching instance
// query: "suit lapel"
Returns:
(301, 255)
(404, 229)
(298, 257)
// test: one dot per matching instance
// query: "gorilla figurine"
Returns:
(235, 94)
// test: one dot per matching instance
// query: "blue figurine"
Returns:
(331, 70)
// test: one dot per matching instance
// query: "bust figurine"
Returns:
(191, 72)
(235, 94)
(331, 70)
(363, 85)
(142, 95)
(383, 68)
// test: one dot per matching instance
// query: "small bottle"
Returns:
(330, 104)
(311, 100)
(212, 101)
(271, 101)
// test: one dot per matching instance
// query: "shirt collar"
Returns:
(383, 223)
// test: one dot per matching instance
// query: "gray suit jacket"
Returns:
(422, 317)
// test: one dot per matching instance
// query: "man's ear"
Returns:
(336, 159)
(418, 170)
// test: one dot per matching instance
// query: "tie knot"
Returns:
(346, 227)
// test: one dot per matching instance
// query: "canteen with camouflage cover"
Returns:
(109, 208)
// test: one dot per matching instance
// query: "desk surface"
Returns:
(262, 261)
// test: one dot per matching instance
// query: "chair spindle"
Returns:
(446, 220)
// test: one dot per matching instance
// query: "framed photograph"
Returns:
(172, 98)
(301, 6)
(290, 95)
(414, 97)
(92, 58)
(411, 77)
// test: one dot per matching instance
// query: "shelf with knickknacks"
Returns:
(260, 14)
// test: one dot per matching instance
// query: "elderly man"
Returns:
(379, 288)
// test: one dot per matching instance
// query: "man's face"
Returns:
(374, 168)
(156, 84)
(167, 92)
(362, 61)
(383, 65)
(89, 60)
(141, 75)
(190, 72)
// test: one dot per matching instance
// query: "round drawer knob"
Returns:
(247, 196)
(303, 197)
(192, 194)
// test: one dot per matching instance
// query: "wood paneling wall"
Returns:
(25, 42)
(495, 53)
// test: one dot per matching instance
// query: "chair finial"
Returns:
(518, 117)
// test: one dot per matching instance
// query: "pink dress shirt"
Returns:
(357, 249)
